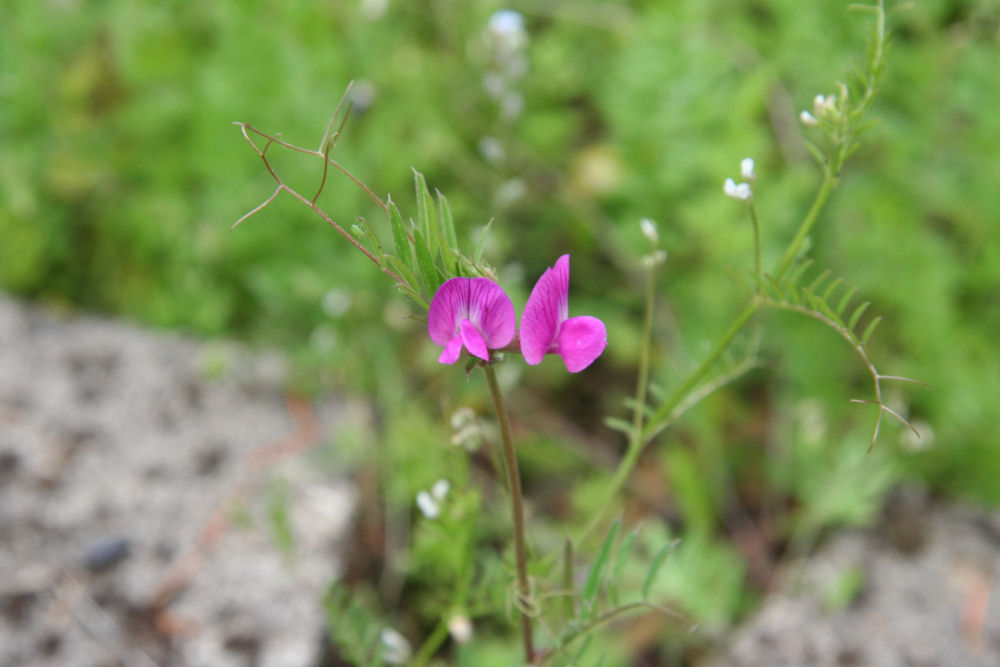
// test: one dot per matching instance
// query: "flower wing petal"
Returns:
(547, 307)
(581, 340)
(474, 341)
(492, 311)
(451, 351)
(449, 304)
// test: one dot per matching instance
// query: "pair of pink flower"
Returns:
(475, 313)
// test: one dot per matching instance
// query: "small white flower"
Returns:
(428, 505)
(507, 22)
(460, 628)
(396, 649)
(440, 489)
(807, 118)
(736, 190)
(648, 228)
(746, 169)
(819, 103)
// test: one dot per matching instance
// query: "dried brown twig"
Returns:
(327, 144)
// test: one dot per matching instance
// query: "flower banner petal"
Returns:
(581, 340)
(449, 304)
(547, 307)
(491, 310)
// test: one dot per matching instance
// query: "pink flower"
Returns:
(474, 312)
(547, 328)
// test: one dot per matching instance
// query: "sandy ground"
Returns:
(920, 589)
(139, 480)
(138, 477)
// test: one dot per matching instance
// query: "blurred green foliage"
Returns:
(120, 173)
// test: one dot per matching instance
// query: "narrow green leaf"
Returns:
(792, 291)
(449, 258)
(373, 240)
(846, 299)
(796, 274)
(425, 206)
(856, 315)
(772, 284)
(631, 404)
(478, 258)
(831, 288)
(819, 280)
(403, 272)
(618, 424)
(428, 272)
(624, 551)
(815, 302)
(400, 239)
(569, 589)
(816, 152)
(870, 329)
(592, 586)
(654, 567)
(447, 221)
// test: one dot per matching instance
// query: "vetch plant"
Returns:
(469, 315)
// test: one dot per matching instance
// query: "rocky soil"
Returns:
(143, 481)
(918, 590)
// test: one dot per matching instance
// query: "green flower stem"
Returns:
(756, 249)
(517, 508)
(431, 645)
(792, 252)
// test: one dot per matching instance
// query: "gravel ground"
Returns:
(138, 477)
(914, 591)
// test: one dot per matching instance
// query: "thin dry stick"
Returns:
(246, 129)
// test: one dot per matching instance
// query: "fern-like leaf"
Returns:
(787, 294)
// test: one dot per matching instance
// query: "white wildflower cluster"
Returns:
(657, 256)
(824, 106)
(741, 190)
(429, 502)
(507, 40)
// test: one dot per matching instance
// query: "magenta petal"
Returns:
(474, 341)
(547, 306)
(491, 311)
(451, 351)
(448, 306)
(581, 340)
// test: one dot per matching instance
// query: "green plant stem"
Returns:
(517, 508)
(431, 645)
(792, 252)
(642, 382)
(756, 249)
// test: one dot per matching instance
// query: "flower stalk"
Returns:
(517, 509)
